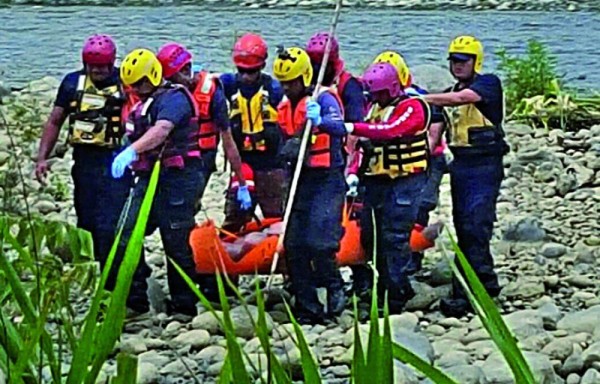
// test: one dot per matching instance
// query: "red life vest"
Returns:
(342, 80)
(181, 144)
(131, 100)
(208, 133)
(292, 122)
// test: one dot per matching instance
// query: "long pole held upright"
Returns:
(304, 144)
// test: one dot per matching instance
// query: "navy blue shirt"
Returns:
(174, 107)
(489, 88)
(354, 101)
(232, 83)
(218, 109)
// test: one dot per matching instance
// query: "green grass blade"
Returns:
(27, 308)
(82, 354)
(226, 374)
(310, 369)
(238, 367)
(490, 317)
(30, 349)
(111, 330)
(360, 375)
(275, 369)
(11, 343)
(18, 291)
(408, 357)
(374, 343)
(127, 366)
(387, 359)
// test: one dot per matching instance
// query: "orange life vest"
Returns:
(208, 132)
(292, 122)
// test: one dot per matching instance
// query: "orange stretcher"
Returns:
(211, 254)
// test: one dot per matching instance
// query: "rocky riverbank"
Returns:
(521, 5)
(547, 250)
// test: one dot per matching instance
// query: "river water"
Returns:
(39, 41)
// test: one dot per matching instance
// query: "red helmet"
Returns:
(173, 57)
(250, 51)
(316, 48)
(99, 50)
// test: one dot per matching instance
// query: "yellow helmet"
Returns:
(398, 62)
(468, 45)
(141, 63)
(292, 63)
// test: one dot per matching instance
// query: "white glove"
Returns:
(448, 156)
(352, 182)
(349, 128)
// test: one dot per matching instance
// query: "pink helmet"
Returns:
(382, 76)
(316, 48)
(99, 50)
(173, 57)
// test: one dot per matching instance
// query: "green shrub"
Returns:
(531, 74)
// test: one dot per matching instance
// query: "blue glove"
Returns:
(313, 112)
(122, 161)
(243, 197)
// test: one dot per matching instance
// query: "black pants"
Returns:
(98, 197)
(428, 201)
(173, 214)
(270, 190)
(394, 204)
(475, 185)
(313, 237)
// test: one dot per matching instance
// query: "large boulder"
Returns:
(582, 321)
(433, 78)
(496, 370)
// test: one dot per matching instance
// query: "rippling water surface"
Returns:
(38, 41)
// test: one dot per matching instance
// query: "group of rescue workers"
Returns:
(379, 134)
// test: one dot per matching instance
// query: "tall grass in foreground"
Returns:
(26, 345)
(38, 293)
(373, 363)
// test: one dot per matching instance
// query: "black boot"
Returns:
(336, 301)
(455, 307)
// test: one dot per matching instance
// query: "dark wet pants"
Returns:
(269, 192)
(394, 203)
(173, 214)
(475, 185)
(313, 238)
(98, 197)
(429, 201)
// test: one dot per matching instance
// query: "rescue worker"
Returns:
(164, 130)
(213, 119)
(314, 230)
(350, 90)
(436, 144)
(476, 140)
(253, 98)
(90, 100)
(395, 162)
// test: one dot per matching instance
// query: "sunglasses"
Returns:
(249, 71)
